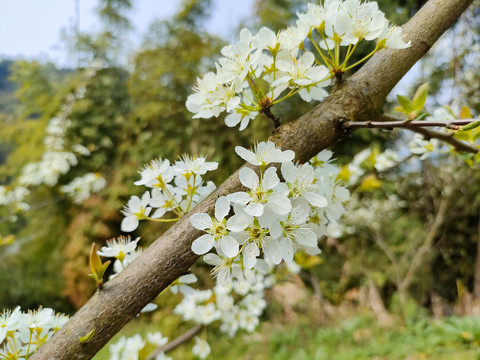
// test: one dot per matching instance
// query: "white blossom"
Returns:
(118, 247)
(264, 153)
(136, 210)
(201, 349)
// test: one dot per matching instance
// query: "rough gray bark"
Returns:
(359, 98)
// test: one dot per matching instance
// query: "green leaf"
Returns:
(103, 269)
(406, 104)
(95, 262)
(422, 116)
(463, 135)
(471, 126)
(420, 97)
(98, 269)
(465, 113)
(87, 338)
(477, 157)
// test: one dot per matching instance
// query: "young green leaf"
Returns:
(420, 97)
(406, 104)
(95, 262)
(471, 126)
(98, 269)
(87, 338)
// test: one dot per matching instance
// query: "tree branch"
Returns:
(358, 98)
(426, 246)
(390, 122)
(172, 345)
(453, 125)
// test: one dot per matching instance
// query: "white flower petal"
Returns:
(287, 250)
(250, 253)
(222, 208)
(276, 230)
(239, 198)
(270, 178)
(212, 259)
(306, 237)
(203, 244)
(201, 221)
(159, 213)
(289, 171)
(254, 209)
(229, 246)
(272, 250)
(246, 155)
(129, 223)
(281, 205)
(238, 222)
(248, 178)
(316, 199)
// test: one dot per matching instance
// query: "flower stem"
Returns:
(163, 220)
(326, 61)
(362, 60)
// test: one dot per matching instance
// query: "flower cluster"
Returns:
(425, 147)
(57, 160)
(14, 197)
(420, 146)
(130, 348)
(80, 188)
(176, 188)
(135, 347)
(273, 218)
(22, 333)
(263, 69)
(236, 307)
(369, 212)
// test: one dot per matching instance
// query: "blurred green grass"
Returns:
(357, 338)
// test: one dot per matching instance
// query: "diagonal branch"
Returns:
(358, 98)
(448, 138)
(172, 345)
(426, 246)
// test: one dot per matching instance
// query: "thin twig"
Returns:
(276, 120)
(176, 342)
(426, 246)
(390, 122)
(378, 239)
(453, 125)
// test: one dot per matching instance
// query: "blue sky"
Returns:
(31, 28)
